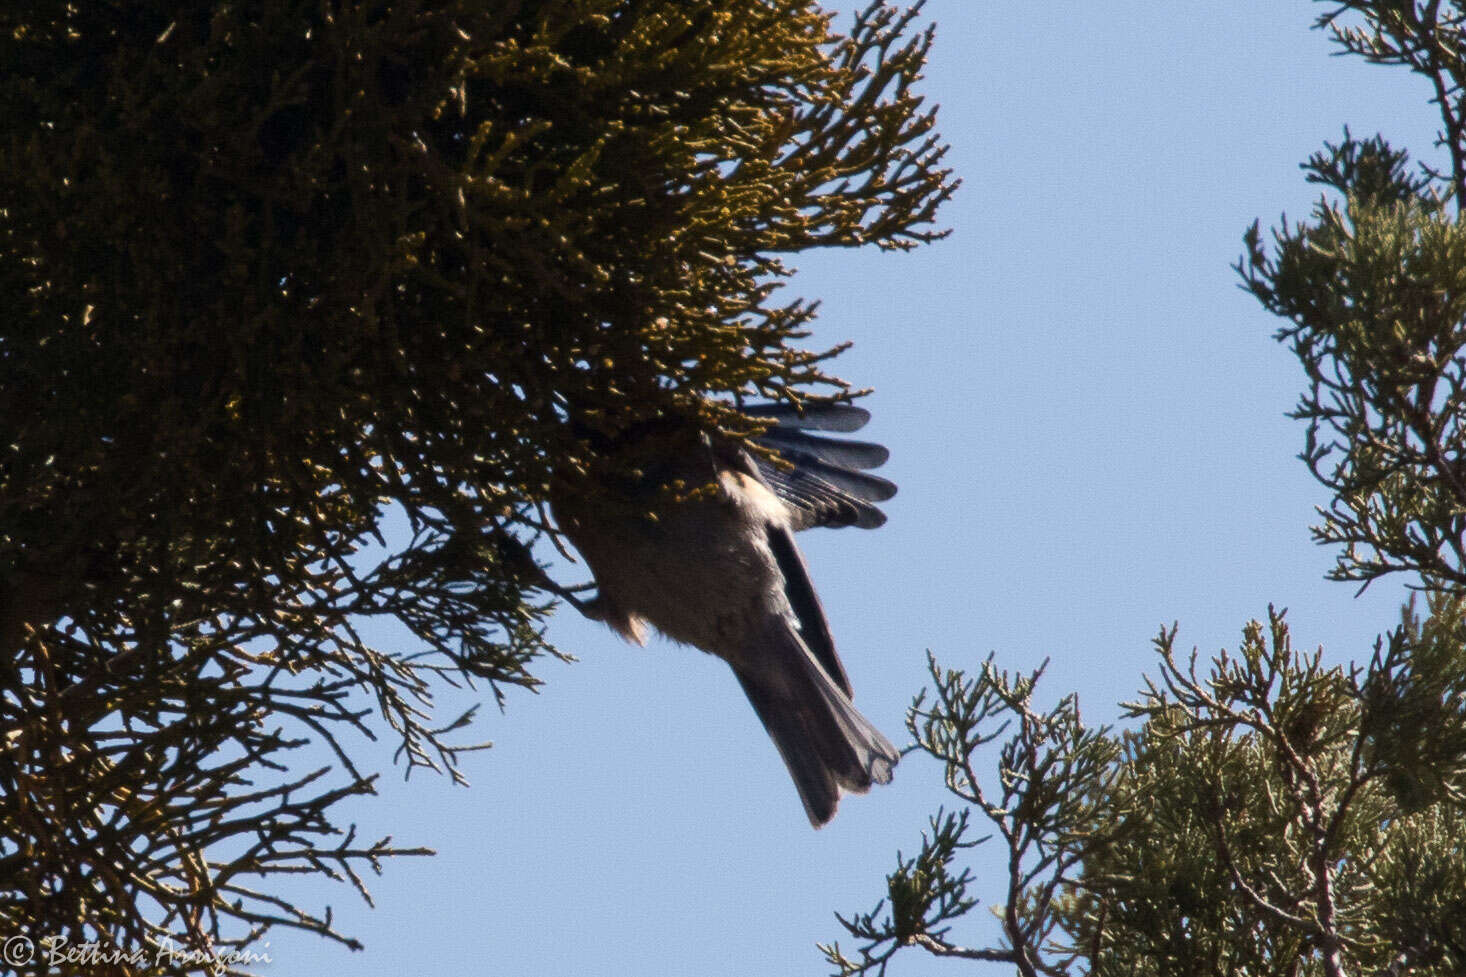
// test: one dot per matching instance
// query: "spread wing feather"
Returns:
(818, 417)
(827, 485)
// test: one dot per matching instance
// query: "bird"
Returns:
(699, 543)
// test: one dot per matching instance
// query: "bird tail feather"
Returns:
(825, 742)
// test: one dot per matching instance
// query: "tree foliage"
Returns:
(1374, 288)
(1264, 812)
(272, 269)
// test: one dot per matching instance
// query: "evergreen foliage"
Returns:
(271, 268)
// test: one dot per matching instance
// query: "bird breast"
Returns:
(701, 569)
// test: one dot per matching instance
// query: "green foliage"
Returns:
(1268, 814)
(1049, 804)
(269, 269)
(924, 893)
(1374, 288)
(1411, 697)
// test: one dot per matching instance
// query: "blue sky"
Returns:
(1086, 418)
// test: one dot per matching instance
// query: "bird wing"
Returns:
(827, 485)
(813, 627)
(818, 417)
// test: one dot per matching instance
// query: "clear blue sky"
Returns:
(1086, 422)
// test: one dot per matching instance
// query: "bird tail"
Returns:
(826, 744)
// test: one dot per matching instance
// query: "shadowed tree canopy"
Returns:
(269, 267)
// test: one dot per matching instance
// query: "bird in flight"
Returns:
(700, 545)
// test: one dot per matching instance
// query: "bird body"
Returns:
(702, 547)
